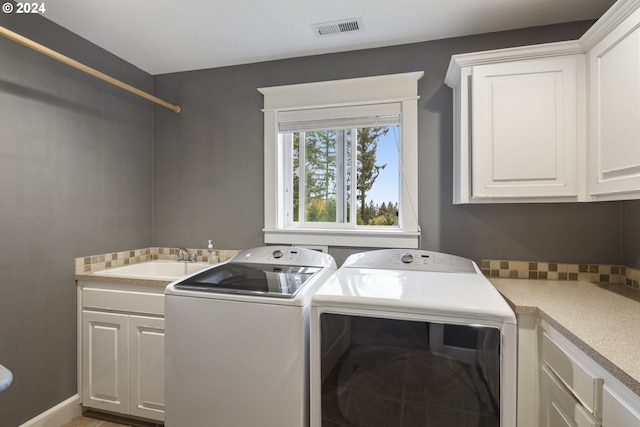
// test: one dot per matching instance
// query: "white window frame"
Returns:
(366, 91)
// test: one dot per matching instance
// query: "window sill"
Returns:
(350, 238)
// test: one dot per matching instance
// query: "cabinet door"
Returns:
(146, 344)
(525, 128)
(614, 69)
(558, 407)
(105, 361)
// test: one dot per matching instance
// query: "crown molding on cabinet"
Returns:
(520, 53)
(613, 17)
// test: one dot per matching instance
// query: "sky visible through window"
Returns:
(385, 189)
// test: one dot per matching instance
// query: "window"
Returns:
(341, 162)
(341, 171)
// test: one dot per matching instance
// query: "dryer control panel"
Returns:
(410, 259)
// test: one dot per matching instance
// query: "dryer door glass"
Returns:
(399, 372)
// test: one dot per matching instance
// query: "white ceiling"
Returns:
(164, 36)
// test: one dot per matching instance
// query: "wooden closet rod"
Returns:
(75, 64)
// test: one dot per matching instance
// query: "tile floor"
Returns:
(375, 386)
(98, 419)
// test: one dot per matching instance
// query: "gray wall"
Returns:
(75, 180)
(630, 233)
(209, 158)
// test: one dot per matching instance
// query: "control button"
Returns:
(406, 258)
(278, 254)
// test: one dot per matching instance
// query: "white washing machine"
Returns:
(237, 340)
(411, 337)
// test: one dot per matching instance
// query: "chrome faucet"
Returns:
(183, 255)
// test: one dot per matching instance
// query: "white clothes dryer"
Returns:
(237, 344)
(411, 337)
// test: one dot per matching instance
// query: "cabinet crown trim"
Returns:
(546, 50)
(613, 17)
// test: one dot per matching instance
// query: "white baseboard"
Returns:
(60, 414)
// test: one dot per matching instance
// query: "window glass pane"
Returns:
(323, 173)
(348, 177)
(378, 175)
(320, 175)
(296, 176)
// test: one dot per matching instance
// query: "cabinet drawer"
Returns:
(616, 412)
(119, 300)
(562, 409)
(585, 385)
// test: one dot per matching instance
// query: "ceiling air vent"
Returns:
(338, 27)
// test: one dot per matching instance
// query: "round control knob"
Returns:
(278, 254)
(406, 258)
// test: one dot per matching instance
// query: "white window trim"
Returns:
(401, 88)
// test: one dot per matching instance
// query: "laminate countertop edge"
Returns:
(88, 277)
(602, 320)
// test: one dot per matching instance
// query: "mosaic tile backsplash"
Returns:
(599, 273)
(93, 263)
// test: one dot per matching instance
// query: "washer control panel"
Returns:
(407, 258)
(410, 259)
(284, 255)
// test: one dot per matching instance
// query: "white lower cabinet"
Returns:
(582, 380)
(105, 361)
(146, 367)
(618, 411)
(570, 389)
(559, 406)
(122, 353)
(576, 391)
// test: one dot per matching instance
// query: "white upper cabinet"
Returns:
(519, 124)
(524, 129)
(551, 123)
(613, 57)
